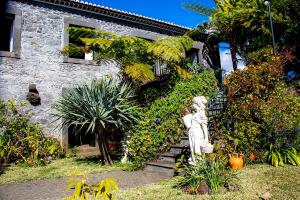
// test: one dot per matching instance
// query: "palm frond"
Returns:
(197, 8)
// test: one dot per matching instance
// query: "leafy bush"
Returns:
(260, 109)
(161, 124)
(22, 141)
(279, 157)
(103, 190)
(211, 170)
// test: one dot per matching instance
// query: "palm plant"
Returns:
(135, 55)
(98, 107)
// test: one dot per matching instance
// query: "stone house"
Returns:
(33, 33)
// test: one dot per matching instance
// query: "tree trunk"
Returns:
(233, 51)
(102, 144)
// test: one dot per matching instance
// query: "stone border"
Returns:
(16, 52)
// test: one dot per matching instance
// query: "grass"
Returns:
(283, 183)
(255, 180)
(56, 169)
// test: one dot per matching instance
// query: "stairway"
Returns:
(166, 162)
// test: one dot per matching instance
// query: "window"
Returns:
(10, 32)
(7, 32)
(79, 43)
(192, 56)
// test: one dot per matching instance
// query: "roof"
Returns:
(115, 13)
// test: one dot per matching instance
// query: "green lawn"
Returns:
(282, 183)
(56, 169)
(255, 180)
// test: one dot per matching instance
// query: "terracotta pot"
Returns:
(236, 161)
(252, 156)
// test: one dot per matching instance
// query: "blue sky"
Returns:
(170, 11)
(167, 10)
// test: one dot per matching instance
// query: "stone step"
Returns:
(161, 166)
(185, 140)
(169, 157)
(179, 149)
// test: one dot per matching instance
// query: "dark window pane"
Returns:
(6, 24)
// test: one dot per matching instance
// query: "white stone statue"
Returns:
(197, 129)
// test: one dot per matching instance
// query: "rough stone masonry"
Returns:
(38, 59)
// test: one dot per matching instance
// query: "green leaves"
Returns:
(22, 141)
(277, 157)
(202, 10)
(210, 170)
(140, 72)
(161, 123)
(98, 104)
(105, 189)
(135, 55)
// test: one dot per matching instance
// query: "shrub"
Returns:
(210, 170)
(105, 189)
(22, 141)
(280, 156)
(260, 109)
(161, 123)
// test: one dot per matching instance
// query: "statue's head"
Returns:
(199, 102)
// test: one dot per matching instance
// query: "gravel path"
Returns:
(54, 188)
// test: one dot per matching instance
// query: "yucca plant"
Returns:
(135, 55)
(98, 107)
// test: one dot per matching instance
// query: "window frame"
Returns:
(16, 38)
(67, 23)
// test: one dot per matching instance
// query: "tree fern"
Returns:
(135, 55)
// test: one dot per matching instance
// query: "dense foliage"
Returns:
(161, 123)
(98, 107)
(261, 110)
(245, 24)
(22, 141)
(136, 56)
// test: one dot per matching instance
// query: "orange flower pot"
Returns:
(236, 161)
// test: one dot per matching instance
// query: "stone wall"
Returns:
(41, 62)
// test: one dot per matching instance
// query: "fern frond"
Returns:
(183, 72)
(140, 72)
(81, 32)
(165, 52)
(183, 43)
(72, 50)
(100, 43)
(171, 49)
